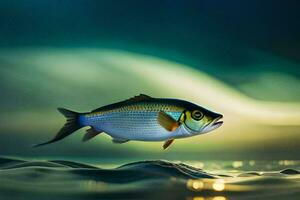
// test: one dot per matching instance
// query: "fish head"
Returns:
(200, 120)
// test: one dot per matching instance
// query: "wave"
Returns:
(156, 179)
(130, 171)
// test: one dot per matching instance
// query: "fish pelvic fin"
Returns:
(90, 133)
(71, 125)
(119, 140)
(168, 143)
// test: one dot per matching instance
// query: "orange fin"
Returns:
(167, 122)
(90, 133)
(168, 143)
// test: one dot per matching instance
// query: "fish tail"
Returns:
(72, 124)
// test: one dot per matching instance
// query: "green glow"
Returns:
(84, 79)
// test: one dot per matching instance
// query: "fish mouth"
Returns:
(217, 123)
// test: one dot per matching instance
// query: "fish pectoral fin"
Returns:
(167, 121)
(90, 133)
(168, 143)
(119, 140)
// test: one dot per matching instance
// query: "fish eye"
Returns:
(197, 115)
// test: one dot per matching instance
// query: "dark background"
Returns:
(181, 27)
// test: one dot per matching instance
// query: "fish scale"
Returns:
(133, 125)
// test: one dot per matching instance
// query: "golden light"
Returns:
(195, 184)
(219, 198)
(218, 185)
(207, 198)
(198, 185)
(198, 198)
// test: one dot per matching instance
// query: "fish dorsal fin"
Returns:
(168, 143)
(140, 97)
(167, 121)
(137, 98)
(90, 133)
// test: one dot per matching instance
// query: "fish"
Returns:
(141, 118)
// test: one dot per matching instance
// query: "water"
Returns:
(154, 179)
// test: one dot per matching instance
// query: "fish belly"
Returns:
(138, 125)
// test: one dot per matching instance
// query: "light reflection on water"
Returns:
(251, 162)
(237, 164)
(206, 184)
(92, 185)
(219, 185)
(207, 198)
(240, 166)
(287, 162)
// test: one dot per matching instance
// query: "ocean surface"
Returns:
(149, 179)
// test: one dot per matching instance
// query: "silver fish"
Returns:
(142, 118)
